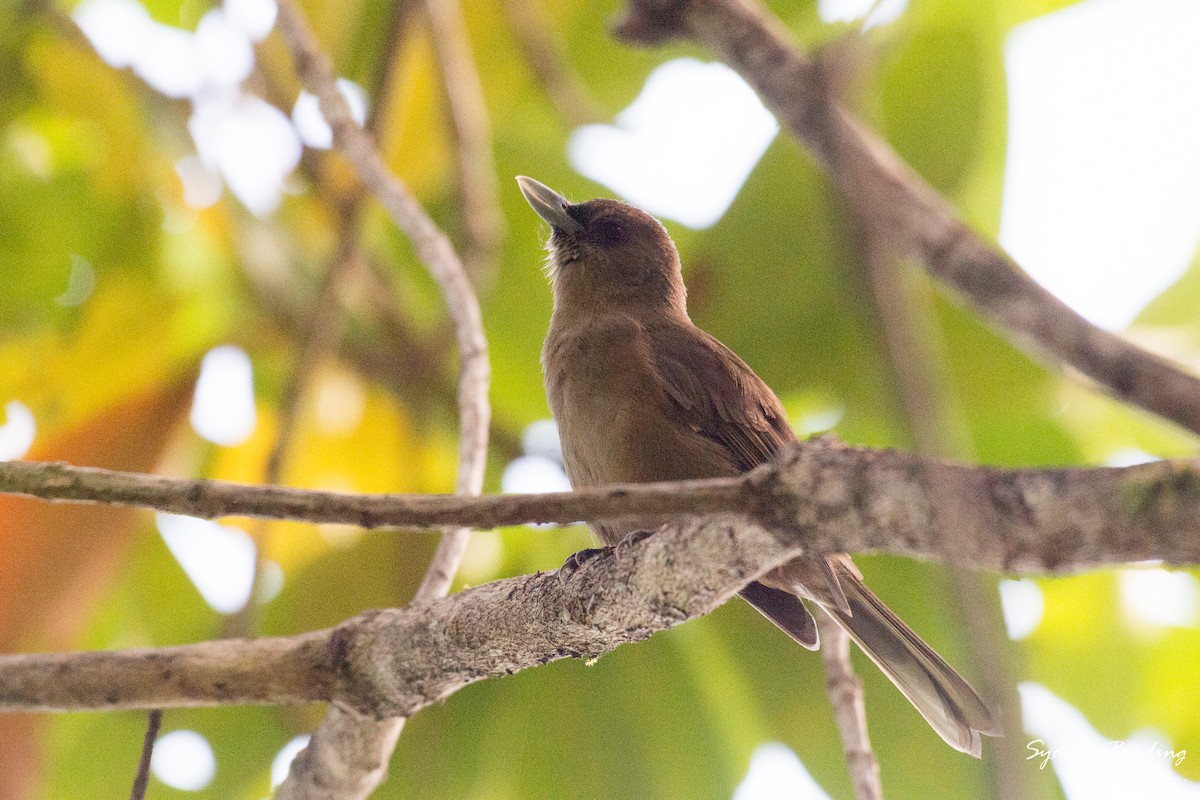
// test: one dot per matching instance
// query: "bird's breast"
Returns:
(596, 384)
(614, 420)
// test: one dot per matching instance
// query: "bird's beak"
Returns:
(548, 204)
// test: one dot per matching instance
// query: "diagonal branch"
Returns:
(471, 134)
(386, 664)
(881, 187)
(561, 84)
(141, 779)
(347, 757)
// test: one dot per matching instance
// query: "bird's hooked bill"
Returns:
(548, 204)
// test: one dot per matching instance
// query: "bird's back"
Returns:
(638, 402)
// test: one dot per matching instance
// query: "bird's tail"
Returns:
(786, 610)
(941, 695)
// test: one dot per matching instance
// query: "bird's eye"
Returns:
(607, 231)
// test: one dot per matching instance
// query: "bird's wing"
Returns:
(717, 395)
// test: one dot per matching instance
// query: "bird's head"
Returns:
(607, 254)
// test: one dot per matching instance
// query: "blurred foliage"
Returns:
(87, 157)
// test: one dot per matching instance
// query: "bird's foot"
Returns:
(577, 560)
(631, 540)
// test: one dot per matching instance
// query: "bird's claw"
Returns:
(631, 540)
(577, 560)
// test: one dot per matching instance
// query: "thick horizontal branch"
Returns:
(832, 497)
(882, 187)
(820, 497)
(295, 669)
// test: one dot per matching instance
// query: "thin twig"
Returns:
(544, 57)
(142, 779)
(471, 137)
(881, 187)
(918, 367)
(211, 499)
(358, 775)
(399, 17)
(849, 709)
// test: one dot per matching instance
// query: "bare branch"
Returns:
(821, 498)
(918, 367)
(472, 137)
(211, 499)
(358, 773)
(141, 779)
(296, 669)
(880, 186)
(849, 709)
(386, 664)
(561, 84)
(842, 499)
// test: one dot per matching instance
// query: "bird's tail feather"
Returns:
(941, 695)
(785, 610)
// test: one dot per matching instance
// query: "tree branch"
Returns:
(842, 499)
(385, 664)
(541, 51)
(880, 186)
(327, 770)
(820, 497)
(471, 135)
(845, 692)
(211, 499)
(295, 669)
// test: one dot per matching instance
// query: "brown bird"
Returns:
(641, 394)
